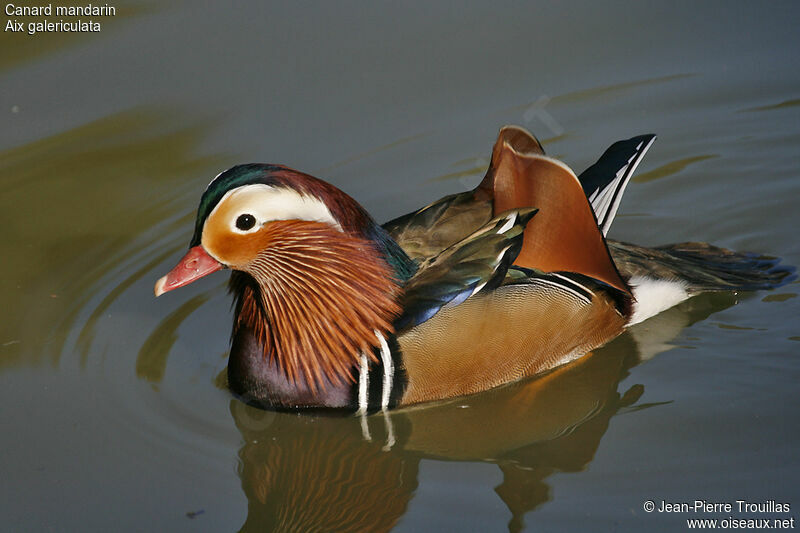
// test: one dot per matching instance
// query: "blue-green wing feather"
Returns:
(478, 262)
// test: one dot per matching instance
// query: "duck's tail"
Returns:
(719, 269)
(605, 181)
(701, 267)
(666, 275)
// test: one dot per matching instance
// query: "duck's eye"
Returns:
(245, 222)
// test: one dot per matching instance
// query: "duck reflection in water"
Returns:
(329, 473)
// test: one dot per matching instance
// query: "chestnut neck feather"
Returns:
(314, 297)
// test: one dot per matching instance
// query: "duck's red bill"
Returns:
(194, 265)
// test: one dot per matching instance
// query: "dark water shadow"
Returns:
(781, 105)
(152, 360)
(89, 212)
(318, 473)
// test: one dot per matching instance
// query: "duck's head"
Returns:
(313, 271)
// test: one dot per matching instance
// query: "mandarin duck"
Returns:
(478, 289)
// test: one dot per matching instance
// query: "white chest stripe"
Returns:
(363, 384)
(388, 370)
(363, 377)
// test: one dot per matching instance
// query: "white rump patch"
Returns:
(654, 295)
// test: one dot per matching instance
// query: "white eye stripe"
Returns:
(267, 203)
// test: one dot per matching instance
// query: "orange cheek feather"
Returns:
(235, 250)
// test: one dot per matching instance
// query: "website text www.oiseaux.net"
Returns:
(751, 514)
